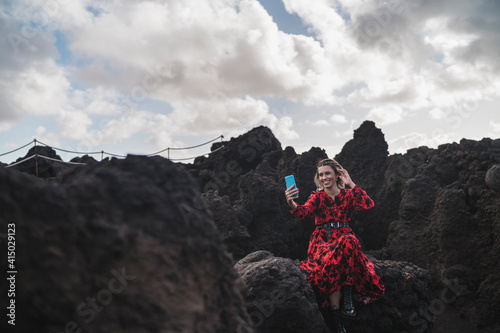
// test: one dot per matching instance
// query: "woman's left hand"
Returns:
(344, 175)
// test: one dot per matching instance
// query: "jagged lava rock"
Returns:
(365, 157)
(219, 171)
(448, 223)
(281, 300)
(122, 246)
(493, 177)
(41, 167)
(246, 180)
(437, 208)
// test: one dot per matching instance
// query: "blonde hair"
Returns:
(335, 166)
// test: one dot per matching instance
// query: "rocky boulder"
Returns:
(448, 223)
(365, 156)
(123, 246)
(493, 177)
(281, 300)
(436, 208)
(41, 167)
(246, 180)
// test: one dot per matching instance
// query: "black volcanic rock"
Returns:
(125, 246)
(39, 166)
(231, 221)
(281, 300)
(436, 208)
(86, 159)
(220, 171)
(493, 177)
(365, 157)
(246, 180)
(448, 223)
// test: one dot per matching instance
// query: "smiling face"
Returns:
(327, 177)
(328, 168)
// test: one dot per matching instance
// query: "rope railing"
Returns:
(19, 162)
(13, 151)
(102, 152)
(190, 158)
(54, 160)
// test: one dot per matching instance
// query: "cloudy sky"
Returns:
(131, 76)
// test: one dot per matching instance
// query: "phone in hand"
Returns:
(290, 181)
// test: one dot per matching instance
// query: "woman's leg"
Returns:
(334, 299)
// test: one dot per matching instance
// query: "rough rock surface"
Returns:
(366, 158)
(280, 300)
(449, 223)
(437, 208)
(123, 246)
(246, 181)
(38, 166)
(493, 177)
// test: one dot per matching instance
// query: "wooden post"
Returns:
(36, 159)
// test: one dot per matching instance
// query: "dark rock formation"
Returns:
(366, 158)
(39, 166)
(281, 300)
(406, 305)
(221, 171)
(279, 297)
(448, 222)
(437, 208)
(123, 246)
(87, 160)
(246, 181)
(493, 177)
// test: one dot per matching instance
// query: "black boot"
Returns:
(348, 309)
(337, 319)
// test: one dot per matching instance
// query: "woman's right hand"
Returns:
(290, 193)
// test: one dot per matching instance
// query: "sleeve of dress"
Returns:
(307, 209)
(359, 200)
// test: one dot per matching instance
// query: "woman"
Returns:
(335, 264)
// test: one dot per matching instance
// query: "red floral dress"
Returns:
(337, 261)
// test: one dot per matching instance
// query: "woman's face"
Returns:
(327, 176)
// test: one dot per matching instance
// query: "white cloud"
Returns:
(216, 116)
(49, 138)
(243, 50)
(437, 113)
(99, 100)
(318, 123)
(216, 61)
(386, 115)
(414, 139)
(495, 129)
(5, 126)
(338, 119)
(38, 89)
(74, 124)
(281, 127)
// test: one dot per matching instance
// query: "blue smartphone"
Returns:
(290, 180)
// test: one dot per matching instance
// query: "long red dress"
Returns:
(337, 261)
